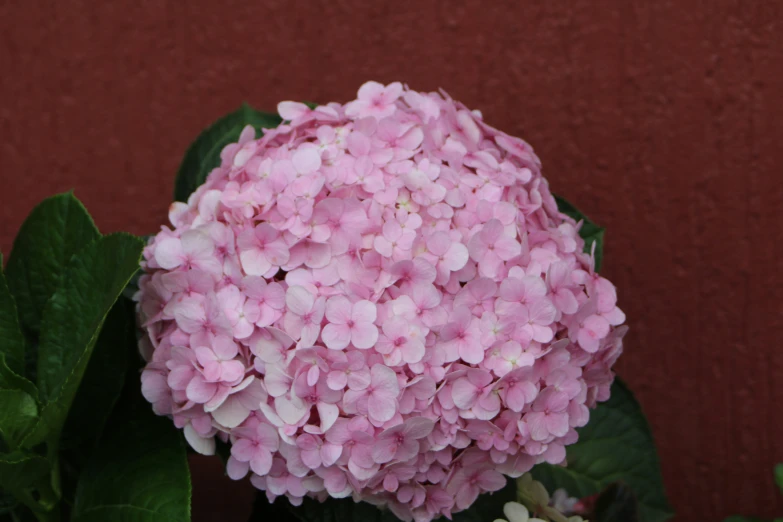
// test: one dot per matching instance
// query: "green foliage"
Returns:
(204, 154)
(12, 343)
(138, 472)
(66, 336)
(616, 445)
(56, 229)
(590, 232)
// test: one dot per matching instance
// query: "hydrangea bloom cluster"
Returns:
(379, 300)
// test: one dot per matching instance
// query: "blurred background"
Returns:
(660, 120)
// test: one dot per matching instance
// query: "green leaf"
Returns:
(18, 414)
(53, 232)
(100, 388)
(72, 321)
(139, 470)
(489, 506)
(20, 469)
(12, 381)
(616, 445)
(12, 343)
(617, 503)
(779, 476)
(590, 232)
(204, 154)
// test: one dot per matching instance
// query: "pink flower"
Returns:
(315, 453)
(562, 288)
(241, 401)
(305, 313)
(255, 443)
(379, 399)
(261, 249)
(509, 356)
(353, 372)
(318, 281)
(395, 240)
(349, 324)
(265, 302)
(533, 322)
(422, 304)
(322, 397)
(476, 392)
(518, 389)
(194, 250)
(461, 337)
(377, 300)
(400, 443)
(233, 302)
(491, 247)
(401, 340)
(218, 361)
(471, 480)
(375, 100)
(446, 255)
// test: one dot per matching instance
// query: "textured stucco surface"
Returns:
(661, 120)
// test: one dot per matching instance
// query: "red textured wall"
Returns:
(661, 120)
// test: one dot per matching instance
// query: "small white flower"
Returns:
(516, 512)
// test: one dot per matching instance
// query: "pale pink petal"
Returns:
(328, 414)
(330, 453)
(261, 462)
(168, 253)
(202, 445)
(464, 394)
(299, 300)
(383, 450)
(289, 110)
(418, 427)
(364, 335)
(336, 336)
(338, 310)
(381, 407)
(236, 470)
(364, 311)
(306, 160)
(254, 262)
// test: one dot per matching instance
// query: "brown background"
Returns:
(661, 119)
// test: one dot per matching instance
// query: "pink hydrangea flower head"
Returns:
(379, 300)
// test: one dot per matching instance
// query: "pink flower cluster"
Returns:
(379, 300)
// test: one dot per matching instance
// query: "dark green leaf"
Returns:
(10, 380)
(617, 503)
(616, 445)
(779, 476)
(11, 338)
(138, 471)
(72, 321)
(590, 232)
(101, 386)
(204, 154)
(18, 414)
(20, 469)
(53, 232)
